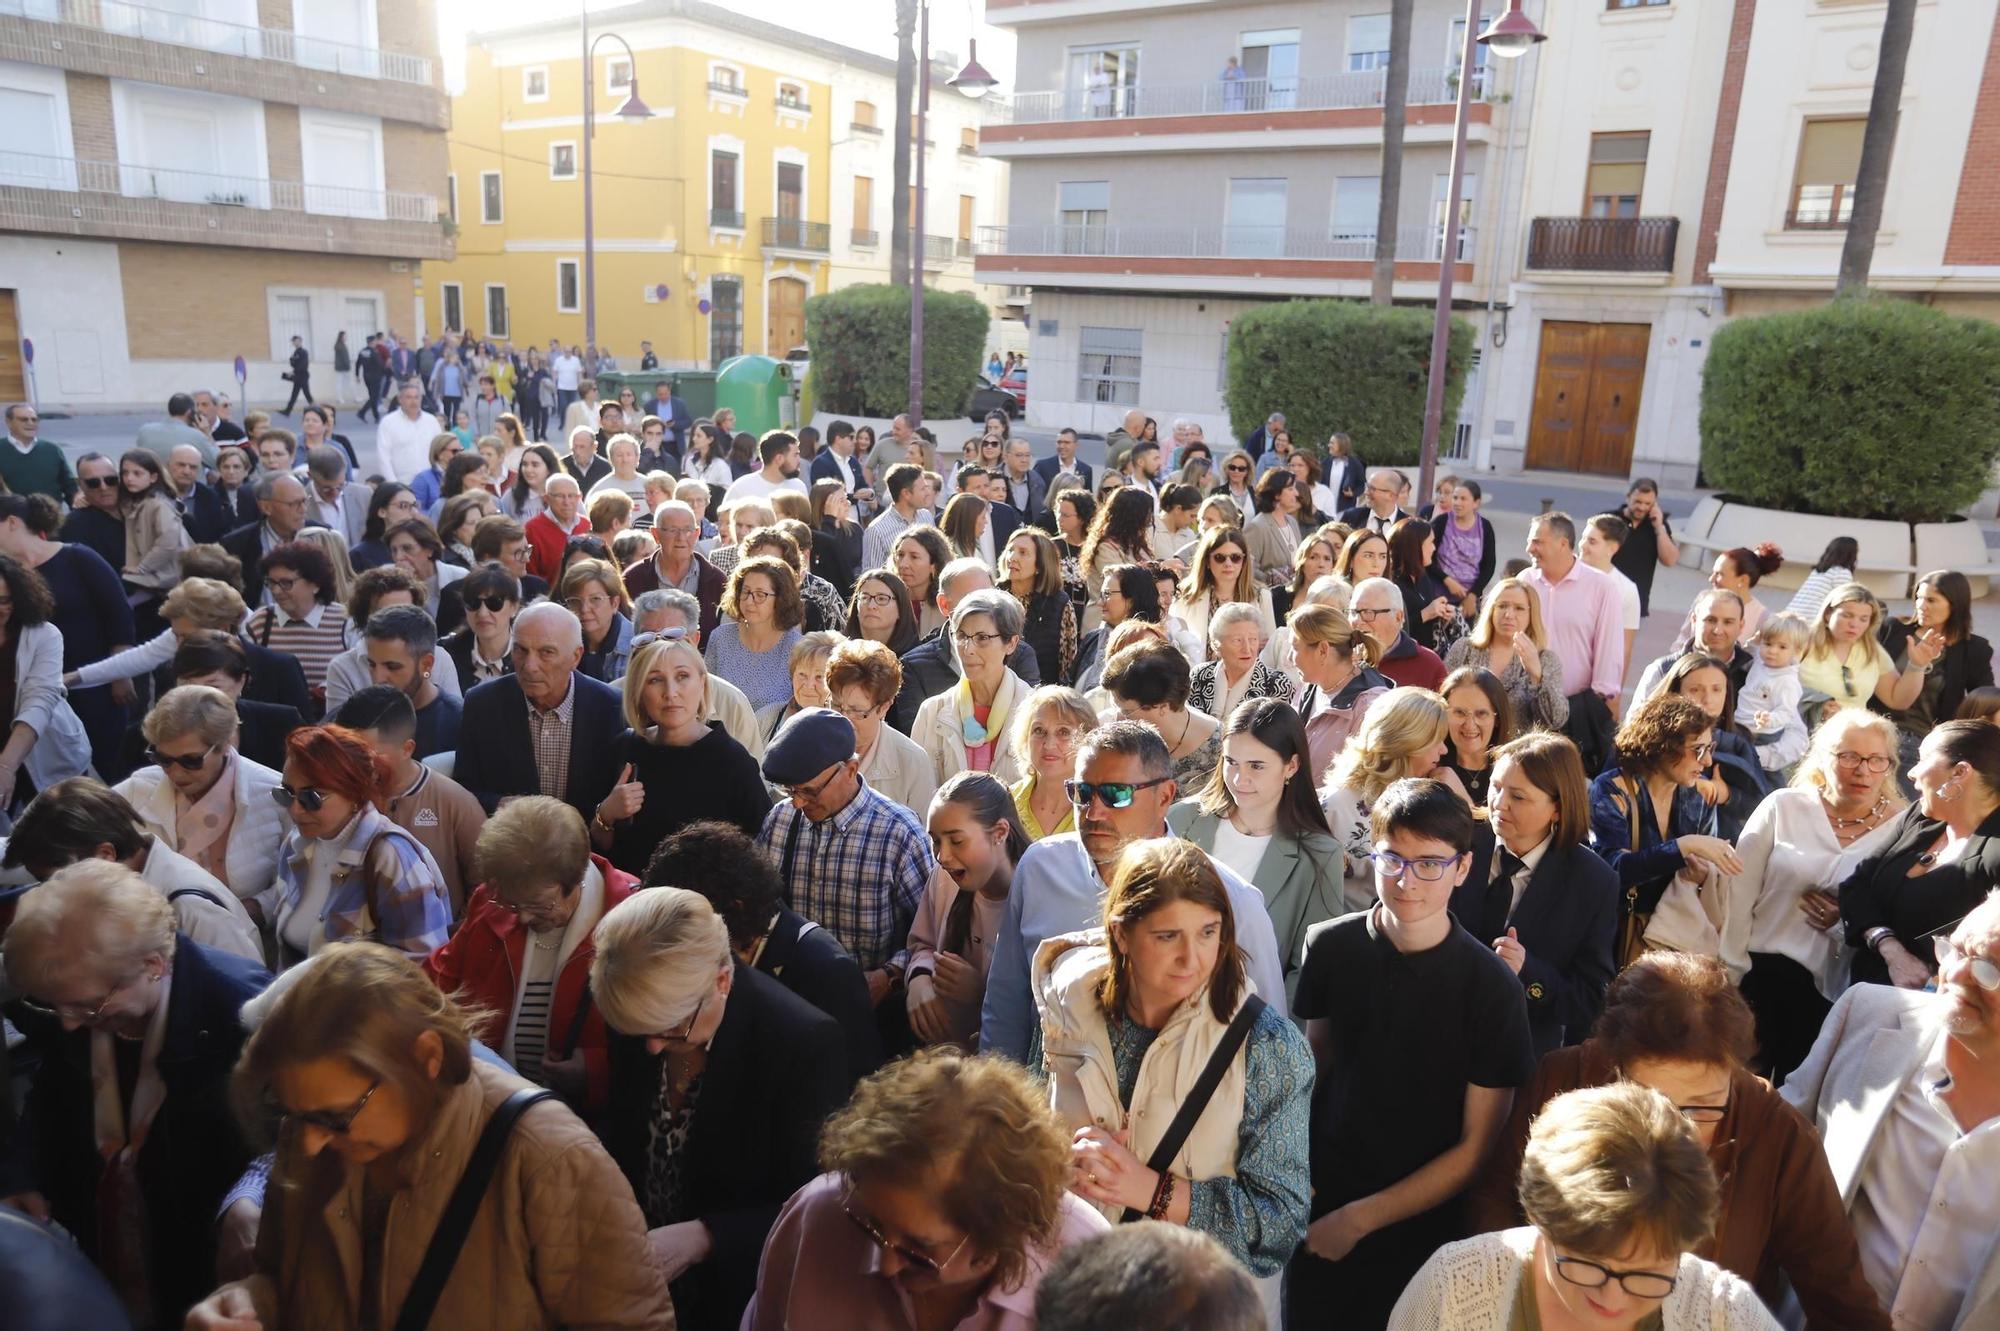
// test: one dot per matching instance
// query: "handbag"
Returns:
(1632, 921)
(1198, 1097)
(449, 1236)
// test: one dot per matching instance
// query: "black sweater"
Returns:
(713, 778)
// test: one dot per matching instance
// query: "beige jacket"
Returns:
(558, 1240)
(940, 729)
(154, 539)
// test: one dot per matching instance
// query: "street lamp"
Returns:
(632, 111)
(1509, 36)
(972, 82)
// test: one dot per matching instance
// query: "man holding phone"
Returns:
(1649, 543)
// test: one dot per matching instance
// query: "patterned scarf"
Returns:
(201, 827)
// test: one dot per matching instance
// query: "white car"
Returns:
(800, 359)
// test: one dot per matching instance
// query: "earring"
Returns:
(1949, 790)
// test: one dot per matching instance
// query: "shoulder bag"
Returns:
(1204, 1089)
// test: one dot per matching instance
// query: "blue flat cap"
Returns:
(807, 745)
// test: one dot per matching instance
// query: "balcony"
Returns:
(855, 126)
(1603, 244)
(962, 248)
(1215, 97)
(174, 28)
(1167, 256)
(724, 220)
(789, 233)
(728, 89)
(939, 250)
(72, 196)
(864, 240)
(794, 105)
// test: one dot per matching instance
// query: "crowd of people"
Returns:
(660, 881)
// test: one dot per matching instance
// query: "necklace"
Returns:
(1864, 820)
(1186, 726)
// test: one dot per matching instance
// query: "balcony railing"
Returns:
(940, 249)
(727, 220)
(792, 104)
(863, 239)
(172, 28)
(857, 127)
(1167, 241)
(1313, 92)
(1603, 244)
(733, 89)
(962, 248)
(35, 171)
(789, 233)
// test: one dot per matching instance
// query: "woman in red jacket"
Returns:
(524, 950)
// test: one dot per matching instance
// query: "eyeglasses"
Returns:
(1874, 762)
(675, 533)
(84, 1014)
(1427, 868)
(579, 604)
(281, 585)
(1985, 971)
(811, 790)
(1639, 1284)
(858, 714)
(680, 1033)
(1704, 1113)
(875, 600)
(914, 1256)
(336, 1121)
(978, 640)
(100, 482)
(305, 797)
(1115, 794)
(756, 596)
(494, 604)
(1701, 750)
(191, 762)
(1359, 613)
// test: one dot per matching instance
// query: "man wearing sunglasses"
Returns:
(1124, 785)
(1904, 1087)
(95, 520)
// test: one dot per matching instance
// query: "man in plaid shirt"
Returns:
(852, 861)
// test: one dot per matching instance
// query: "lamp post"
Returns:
(973, 82)
(632, 110)
(1509, 36)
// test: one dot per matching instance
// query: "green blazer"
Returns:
(1300, 879)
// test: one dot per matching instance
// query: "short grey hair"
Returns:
(410, 625)
(674, 508)
(1277, 416)
(562, 478)
(957, 569)
(1234, 612)
(688, 486)
(668, 598)
(1159, 1276)
(1331, 589)
(1390, 589)
(541, 610)
(1004, 610)
(324, 461)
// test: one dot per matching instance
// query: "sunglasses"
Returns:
(914, 1256)
(1115, 794)
(100, 482)
(306, 798)
(494, 604)
(191, 762)
(663, 635)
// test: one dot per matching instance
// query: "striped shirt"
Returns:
(529, 1040)
(314, 640)
(859, 874)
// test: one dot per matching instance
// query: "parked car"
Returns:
(800, 359)
(1015, 383)
(988, 396)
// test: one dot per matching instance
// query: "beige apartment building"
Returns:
(189, 182)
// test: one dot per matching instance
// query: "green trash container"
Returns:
(641, 382)
(697, 389)
(755, 386)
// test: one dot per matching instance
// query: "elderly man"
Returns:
(931, 667)
(891, 447)
(211, 416)
(333, 502)
(1718, 622)
(1585, 621)
(200, 507)
(671, 613)
(96, 522)
(30, 464)
(1260, 438)
(1378, 610)
(403, 439)
(546, 729)
(676, 564)
(1382, 509)
(1123, 788)
(549, 531)
(1904, 1087)
(281, 499)
(1118, 443)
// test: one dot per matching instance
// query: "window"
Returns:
(489, 197)
(336, 35)
(1256, 225)
(618, 75)
(864, 118)
(199, 147)
(722, 196)
(454, 307)
(569, 285)
(1357, 206)
(1368, 42)
(1108, 365)
(34, 105)
(725, 318)
(535, 83)
(1823, 185)
(342, 156)
(562, 160)
(1454, 51)
(496, 310)
(791, 191)
(864, 210)
(1468, 191)
(1084, 211)
(793, 97)
(1635, 4)
(965, 208)
(1103, 81)
(1270, 71)
(1617, 174)
(451, 195)
(725, 78)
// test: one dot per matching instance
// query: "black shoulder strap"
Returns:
(453, 1225)
(1192, 1108)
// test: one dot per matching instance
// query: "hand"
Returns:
(928, 1018)
(1455, 587)
(123, 693)
(1438, 608)
(1712, 851)
(1333, 1235)
(1531, 661)
(236, 1241)
(1712, 789)
(567, 1077)
(1905, 970)
(1657, 518)
(29, 1203)
(958, 979)
(880, 982)
(1762, 720)
(231, 1308)
(627, 797)
(1925, 648)
(1509, 950)
(675, 1248)
(1104, 1170)
(1821, 909)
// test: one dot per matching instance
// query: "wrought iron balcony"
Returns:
(792, 104)
(733, 89)
(175, 28)
(725, 219)
(940, 249)
(864, 239)
(1168, 241)
(790, 233)
(1603, 244)
(1312, 92)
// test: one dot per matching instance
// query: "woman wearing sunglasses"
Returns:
(347, 871)
(1675, 1030)
(381, 1099)
(1220, 572)
(482, 649)
(1235, 484)
(137, 1031)
(944, 1202)
(720, 1079)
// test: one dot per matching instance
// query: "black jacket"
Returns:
(47, 1285)
(203, 515)
(276, 678)
(1964, 666)
(1357, 517)
(775, 1071)
(810, 962)
(94, 529)
(1042, 629)
(247, 544)
(836, 556)
(1880, 891)
(1050, 467)
(928, 670)
(496, 751)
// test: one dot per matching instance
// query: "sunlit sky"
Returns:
(868, 25)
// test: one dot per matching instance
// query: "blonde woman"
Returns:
(1051, 723)
(964, 728)
(1510, 641)
(1336, 663)
(1403, 734)
(1222, 572)
(329, 540)
(1845, 663)
(809, 657)
(1331, 590)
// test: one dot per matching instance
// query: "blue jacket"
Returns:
(1649, 860)
(496, 751)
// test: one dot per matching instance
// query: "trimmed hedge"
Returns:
(1867, 407)
(1342, 365)
(860, 340)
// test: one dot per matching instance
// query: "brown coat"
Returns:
(1781, 1212)
(557, 1242)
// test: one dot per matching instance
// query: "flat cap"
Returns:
(807, 745)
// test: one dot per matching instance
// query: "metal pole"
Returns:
(1447, 259)
(917, 221)
(589, 237)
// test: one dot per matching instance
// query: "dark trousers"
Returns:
(1358, 1292)
(451, 411)
(1790, 1010)
(301, 385)
(373, 388)
(564, 396)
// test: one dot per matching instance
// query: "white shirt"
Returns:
(1629, 591)
(21, 448)
(1529, 862)
(403, 446)
(1926, 1210)
(752, 485)
(1241, 853)
(569, 372)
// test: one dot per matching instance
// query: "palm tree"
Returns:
(1878, 146)
(906, 107)
(1395, 104)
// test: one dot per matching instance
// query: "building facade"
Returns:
(181, 193)
(762, 178)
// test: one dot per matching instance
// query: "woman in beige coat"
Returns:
(964, 729)
(383, 1102)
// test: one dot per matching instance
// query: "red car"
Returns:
(1015, 383)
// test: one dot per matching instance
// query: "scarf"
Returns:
(970, 730)
(122, 1237)
(201, 827)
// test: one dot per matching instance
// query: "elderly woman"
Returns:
(390, 504)
(417, 550)
(918, 555)
(133, 1144)
(880, 611)
(809, 657)
(383, 1102)
(674, 767)
(1401, 735)
(1617, 1195)
(482, 649)
(1130, 1012)
(1235, 672)
(752, 647)
(43, 741)
(595, 594)
(1481, 719)
(1845, 665)
(1778, 936)
(720, 1079)
(622, 452)
(862, 678)
(347, 871)
(1221, 574)
(521, 957)
(1510, 641)
(1941, 858)
(976, 830)
(1273, 532)
(1150, 683)
(203, 798)
(302, 620)
(1047, 730)
(1674, 1025)
(1336, 661)
(964, 728)
(457, 520)
(1031, 570)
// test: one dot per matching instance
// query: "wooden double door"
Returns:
(1587, 397)
(13, 370)
(785, 315)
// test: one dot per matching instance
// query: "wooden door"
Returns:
(1587, 397)
(13, 370)
(785, 311)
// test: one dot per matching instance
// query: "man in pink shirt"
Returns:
(1585, 619)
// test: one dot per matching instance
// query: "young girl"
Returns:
(461, 425)
(1768, 705)
(1835, 566)
(977, 834)
(154, 533)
